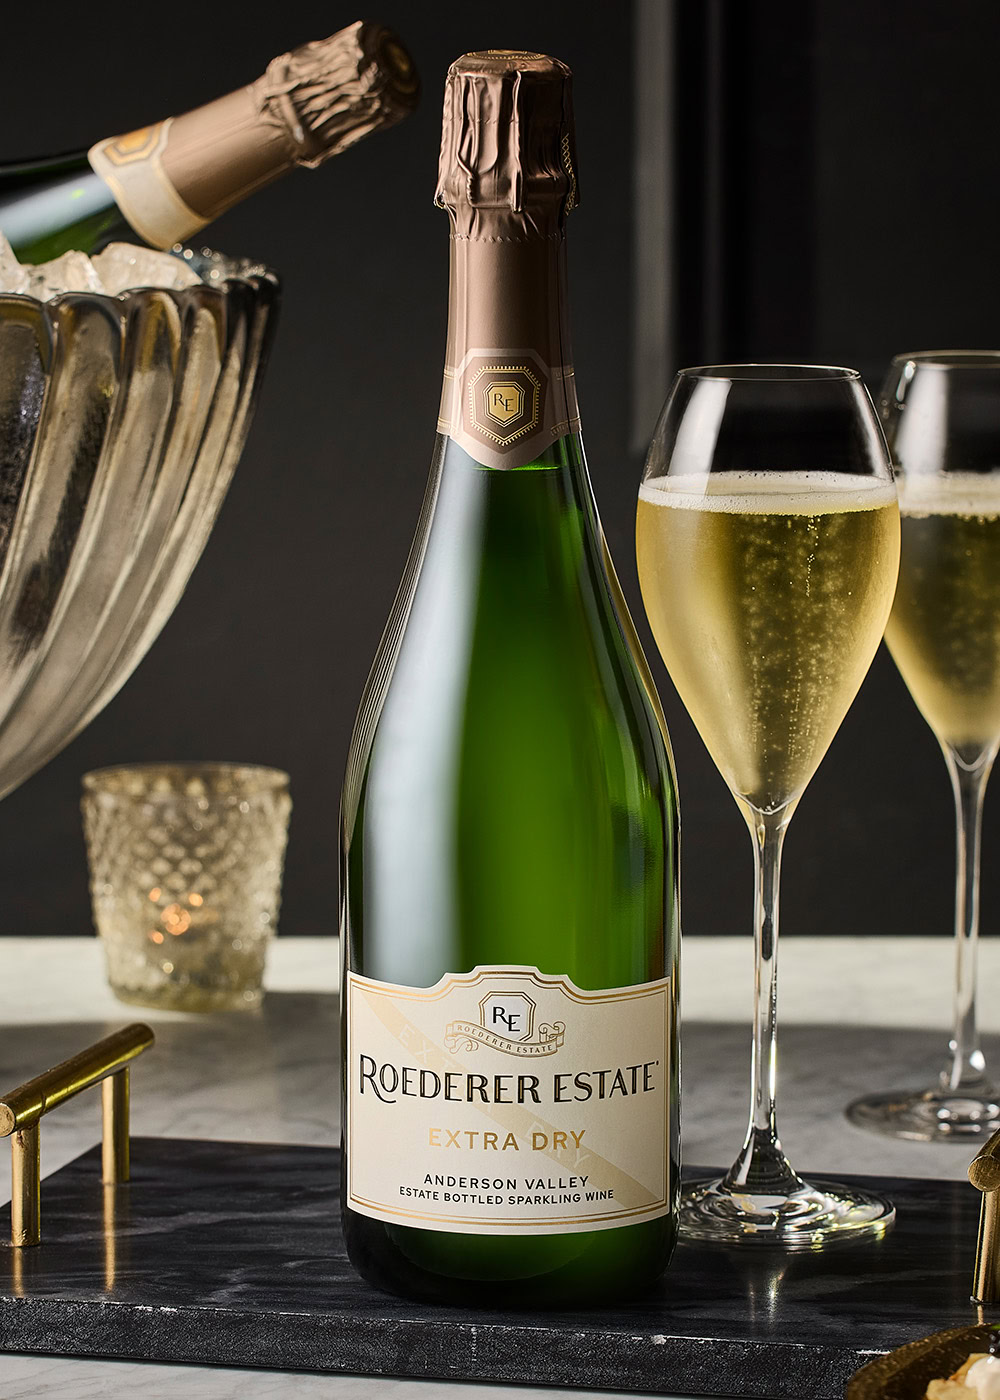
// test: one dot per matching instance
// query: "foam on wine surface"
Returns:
(769, 493)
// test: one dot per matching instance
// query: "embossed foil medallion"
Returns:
(505, 407)
(502, 401)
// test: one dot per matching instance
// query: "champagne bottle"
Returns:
(509, 862)
(162, 183)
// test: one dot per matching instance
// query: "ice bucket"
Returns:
(122, 419)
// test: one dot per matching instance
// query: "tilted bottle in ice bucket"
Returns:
(122, 417)
(165, 182)
(509, 814)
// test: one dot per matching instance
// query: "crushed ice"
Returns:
(123, 265)
(117, 268)
(73, 272)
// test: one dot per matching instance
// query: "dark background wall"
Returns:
(852, 214)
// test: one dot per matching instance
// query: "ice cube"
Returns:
(123, 265)
(13, 277)
(72, 272)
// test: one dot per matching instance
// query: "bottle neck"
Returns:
(171, 179)
(509, 392)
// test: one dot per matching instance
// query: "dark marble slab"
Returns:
(232, 1253)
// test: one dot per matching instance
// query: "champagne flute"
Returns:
(941, 414)
(768, 545)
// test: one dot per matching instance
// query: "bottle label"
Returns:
(505, 406)
(132, 168)
(507, 1102)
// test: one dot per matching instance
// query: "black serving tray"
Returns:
(232, 1253)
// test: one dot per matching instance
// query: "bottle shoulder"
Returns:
(510, 621)
(49, 209)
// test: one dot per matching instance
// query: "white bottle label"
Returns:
(505, 1102)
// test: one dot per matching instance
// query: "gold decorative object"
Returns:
(22, 1110)
(903, 1374)
(984, 1173)
(185, 864)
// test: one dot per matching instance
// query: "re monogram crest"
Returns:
(503, 402)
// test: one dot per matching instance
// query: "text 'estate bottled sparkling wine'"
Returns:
(165, 182)
(509, 890)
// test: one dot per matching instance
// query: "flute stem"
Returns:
(966, 1070)
(762, 1168)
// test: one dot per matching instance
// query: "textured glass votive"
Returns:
(185, 876)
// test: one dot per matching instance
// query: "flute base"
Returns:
(934, 1115)
(821, 1213)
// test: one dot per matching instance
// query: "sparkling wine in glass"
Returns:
(941, 414)
(768, 545)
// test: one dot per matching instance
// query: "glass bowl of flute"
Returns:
(767, 541)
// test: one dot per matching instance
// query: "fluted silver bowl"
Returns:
(122, 420)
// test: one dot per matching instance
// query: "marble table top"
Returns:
(856, 1014)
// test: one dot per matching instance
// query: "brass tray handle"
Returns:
(984, 1173)
(22, 1110)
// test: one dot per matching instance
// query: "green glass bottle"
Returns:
(163, 183)
(509, 873)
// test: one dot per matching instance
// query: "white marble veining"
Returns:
(27, 1378)
(824, 981)
(857, 1015)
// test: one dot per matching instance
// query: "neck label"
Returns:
(132, 168)
(504, 407)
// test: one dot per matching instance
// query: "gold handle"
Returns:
(22, 1109)
(984, 1173)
